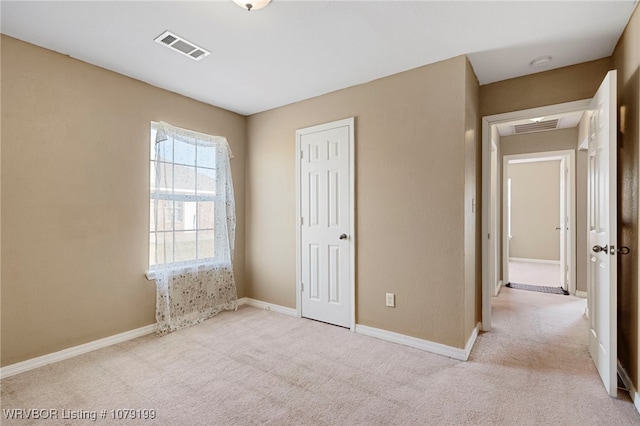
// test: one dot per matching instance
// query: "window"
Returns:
(188, 199)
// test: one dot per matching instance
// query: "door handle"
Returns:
(343, 237)
(598, 249)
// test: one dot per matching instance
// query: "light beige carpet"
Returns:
(543, 274)
(258, 367)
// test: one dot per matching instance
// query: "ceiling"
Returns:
(295, 50)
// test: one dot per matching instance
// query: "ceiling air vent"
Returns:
(537, 126)
(181, 45)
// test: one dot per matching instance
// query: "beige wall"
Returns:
(535, 210)
(473, 202)
(552, 87)
(75, 197)
(626, 59)
(528, 143)
(413, 194)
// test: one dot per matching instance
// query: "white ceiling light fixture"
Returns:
(252, 4)
(541, 62)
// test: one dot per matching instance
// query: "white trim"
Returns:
(298, 222)
(499, 285)
(633, 393)
(487, 122)
(41, 361)
(506, 218)
(580, 293)
(488, 288)
(524, 259)
(268, 306)
(425, 345)
(471, 341)
(350, 123)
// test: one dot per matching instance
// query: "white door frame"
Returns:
(487, 123)
(569, 157)
(349, 122)
(494, 226)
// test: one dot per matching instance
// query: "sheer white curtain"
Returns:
(192, 227)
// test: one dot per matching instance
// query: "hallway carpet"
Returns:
(534, 273)
(259, 367)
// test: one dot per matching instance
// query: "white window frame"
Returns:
(177, 197)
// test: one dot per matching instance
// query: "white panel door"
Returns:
(602, 220)
(325, 222)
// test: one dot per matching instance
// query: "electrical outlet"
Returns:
(391, 300)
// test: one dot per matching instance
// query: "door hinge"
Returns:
(302, 221)
(301, 154)
(301, 286)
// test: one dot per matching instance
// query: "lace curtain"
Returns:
(192, 227)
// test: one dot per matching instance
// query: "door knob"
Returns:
(624, 250)
(598, 249)
(343, 236)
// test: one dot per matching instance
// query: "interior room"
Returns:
(298, 213)
(534, 213)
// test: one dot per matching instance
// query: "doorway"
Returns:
(601, 219)
(495, 241)
(540, 217)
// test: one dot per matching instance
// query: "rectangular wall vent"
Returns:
(180, 45)
(535, 127)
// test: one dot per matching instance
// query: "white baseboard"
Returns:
(524, 259)
(582, 294)
(498, 286)
(41, 361)
(267, 306)
(472, 340)
(629, 385)
(425, 345)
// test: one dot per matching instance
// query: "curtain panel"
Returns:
(192, 227)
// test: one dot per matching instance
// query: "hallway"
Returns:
(538, 358)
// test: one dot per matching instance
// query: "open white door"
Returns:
(602, 222)
(325, 235)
